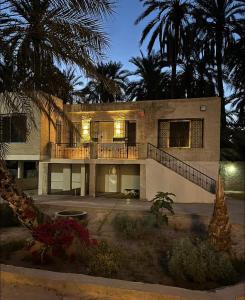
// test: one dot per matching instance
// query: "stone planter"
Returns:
(80, 216)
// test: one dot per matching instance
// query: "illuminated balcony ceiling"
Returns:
(105, 111)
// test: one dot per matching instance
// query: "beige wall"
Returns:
(47, 128)
(161, 179)
(130, 177)
(148, 113)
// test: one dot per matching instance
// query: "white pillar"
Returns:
(83, 179)
(142, 181)
(43, 179)
(67, 178)
(20, 171)
(92, 179)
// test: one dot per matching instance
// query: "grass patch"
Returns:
(133, 227)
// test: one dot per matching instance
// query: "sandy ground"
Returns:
(24, 292)
(236, 207)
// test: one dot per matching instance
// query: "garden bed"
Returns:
(141, 258)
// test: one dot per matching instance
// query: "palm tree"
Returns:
(235, 68)
(168, 25)
(39, 34)
(73, 91)
(217, 21)
(152, 84)
(97, 89)
(45, 31)
(196, 75)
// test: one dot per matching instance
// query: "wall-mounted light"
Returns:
(85, 130)
(203, 107)
(119, 128)
(230, 169)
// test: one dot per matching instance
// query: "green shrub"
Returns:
(162, 202)
(132, 227)
(7, 217)
(103, 260)
(200, 262)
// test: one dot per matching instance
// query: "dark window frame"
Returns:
(170, 139)
(13, 136)
(160, 143)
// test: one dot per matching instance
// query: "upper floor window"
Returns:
(180, 133)
(13, 128)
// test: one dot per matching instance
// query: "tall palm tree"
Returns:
(45, 31)
(167, 26)
(235, 69)
(97, 90)
(40, 33)
(152, 82)
(216, 20)
(196, 75)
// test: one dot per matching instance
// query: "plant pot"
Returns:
(80, 216)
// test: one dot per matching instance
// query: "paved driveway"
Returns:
(236, 207)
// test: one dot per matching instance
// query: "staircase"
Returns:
(181, 168)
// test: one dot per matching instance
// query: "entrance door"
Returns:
(131, 133)
(106, 132)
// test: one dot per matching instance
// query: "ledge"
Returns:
(104, 288)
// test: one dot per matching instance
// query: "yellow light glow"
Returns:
(85, 130)
(119, 128)
(231, 169)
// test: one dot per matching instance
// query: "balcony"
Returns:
(98, 151)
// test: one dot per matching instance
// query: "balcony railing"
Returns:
(99, 151)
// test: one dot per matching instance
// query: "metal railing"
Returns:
(98, 151)
(181, 168)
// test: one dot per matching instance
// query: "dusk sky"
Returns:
(124, 35)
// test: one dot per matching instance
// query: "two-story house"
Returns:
(136, 148)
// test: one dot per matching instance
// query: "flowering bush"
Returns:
(64, 237)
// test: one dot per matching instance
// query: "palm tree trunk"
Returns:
(22, 205)
(174, 62)
(173, 79)
(219, 62)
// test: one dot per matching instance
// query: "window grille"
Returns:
(196, 133)
(166, 136)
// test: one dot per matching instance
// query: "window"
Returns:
(13, 128)
(58, 132)
(180, 133)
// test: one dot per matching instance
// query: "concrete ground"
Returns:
(236, 208)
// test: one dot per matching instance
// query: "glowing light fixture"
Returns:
(85, 130)
(231, 169)
(119, 129)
